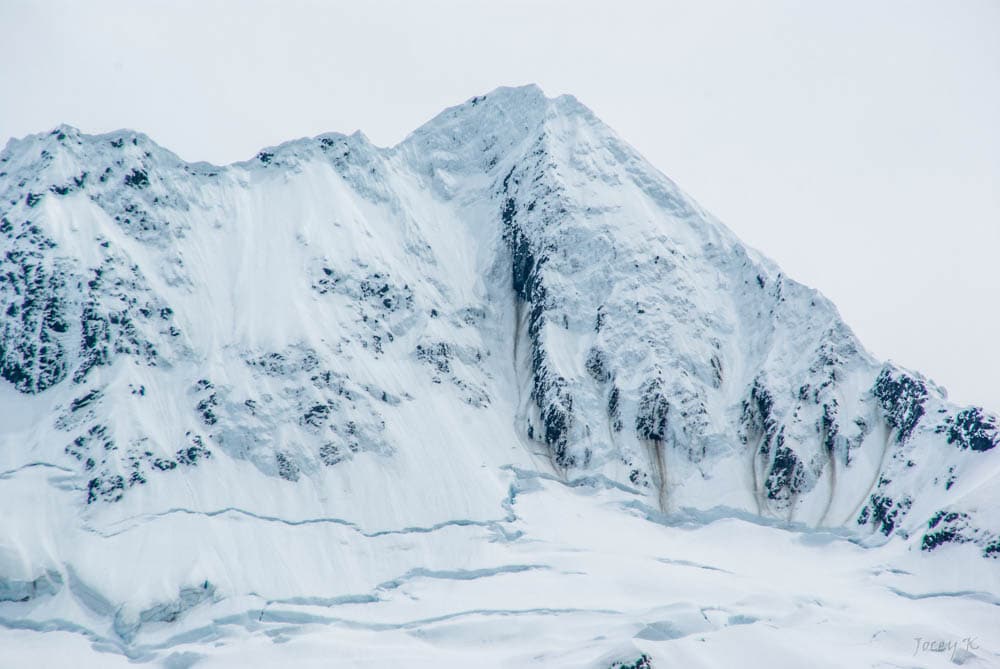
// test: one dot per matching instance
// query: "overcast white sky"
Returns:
(855, 142)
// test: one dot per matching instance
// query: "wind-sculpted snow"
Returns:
(314, 389)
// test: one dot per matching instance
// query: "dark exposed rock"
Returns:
(108, 483)
(641, 662)
(549, 390)
(190, 455)
(787, 474)
(947, 529)
(316, 416)
(85, 400)
(287, 469)
(884, 512)
(829, 427)
(437, 355)
(902, 398)
(651, 417)
(384, 308)
(206, 408)
(614, 409)
(597, 366)
(440, 357)
(137, 178)
(34, 301)
(108, 487)
(716, 364)
(757, 418)
(973, 430)
(956, 527)
(331, 454)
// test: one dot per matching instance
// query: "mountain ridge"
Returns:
(397, 342)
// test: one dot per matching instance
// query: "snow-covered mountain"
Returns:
(373, 399)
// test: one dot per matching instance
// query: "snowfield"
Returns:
(500, 395)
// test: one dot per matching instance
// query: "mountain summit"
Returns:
(307, 389)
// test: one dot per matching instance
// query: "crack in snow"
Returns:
(460, 522)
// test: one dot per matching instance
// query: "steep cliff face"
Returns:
(385, 342)
(652, 346)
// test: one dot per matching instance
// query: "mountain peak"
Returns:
(489, 133)
(525, 97)
(510, 107)
(504, 111)
(309, 386)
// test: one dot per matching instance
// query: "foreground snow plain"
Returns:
(564, 576)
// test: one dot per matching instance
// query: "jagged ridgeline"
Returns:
(336, 374)
(513, 256)
(369, 354)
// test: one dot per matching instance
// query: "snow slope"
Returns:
(500, 392)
